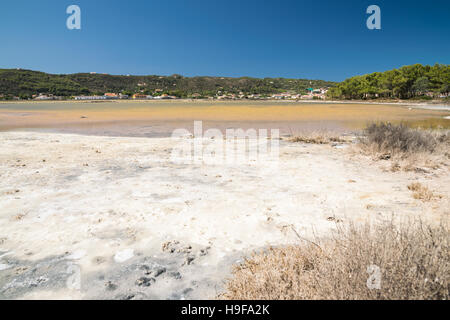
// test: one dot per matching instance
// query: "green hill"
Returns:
(24, 83)
(407, 82)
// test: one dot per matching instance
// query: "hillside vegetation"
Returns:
(24, 83)
(404, 83)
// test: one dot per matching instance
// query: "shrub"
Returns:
(398, 139)
(413, 261)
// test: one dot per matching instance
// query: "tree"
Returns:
(421, 85)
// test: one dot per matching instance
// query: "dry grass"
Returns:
(390, 140)
(420, 192)
(408, 149)
(318, 138)
(413, 262)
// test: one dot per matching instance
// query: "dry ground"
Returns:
(118, 207)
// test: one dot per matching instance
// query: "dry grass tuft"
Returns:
(420, 192)
(413, 262)
(318, 138)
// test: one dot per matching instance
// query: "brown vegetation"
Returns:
(318, 138)
(420, 192)
(401, 140)
(413, 262)
(409, 149)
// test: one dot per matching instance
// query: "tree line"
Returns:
(404, 83)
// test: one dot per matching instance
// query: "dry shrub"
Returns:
(395, 139)
(413, 261)
(409, 149)
(420, 192)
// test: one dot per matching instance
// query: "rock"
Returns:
(155, 271)
(189, 260)
(170, 246)
(145, 282)
(175, 274)
(37, 282)
(158, 271)
(132, 296)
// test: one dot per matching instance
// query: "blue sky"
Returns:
(283, 38)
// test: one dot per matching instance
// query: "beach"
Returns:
(103, 217)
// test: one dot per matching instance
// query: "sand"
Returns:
(115, 218)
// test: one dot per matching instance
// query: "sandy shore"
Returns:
(113, 217)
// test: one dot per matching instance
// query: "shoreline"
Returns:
(445, 105)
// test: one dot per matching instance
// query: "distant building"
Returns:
(138, 96)
(44, 97)
(90, 98)
(112, 95)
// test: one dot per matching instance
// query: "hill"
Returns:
(24, 83)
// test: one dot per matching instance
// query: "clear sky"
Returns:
(266, 38)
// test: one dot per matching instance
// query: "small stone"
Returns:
(145, 282)
(189, 260)
(158, 271)
(176, 275)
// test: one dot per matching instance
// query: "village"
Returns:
(312, 94)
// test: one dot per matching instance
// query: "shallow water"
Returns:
(160, 118)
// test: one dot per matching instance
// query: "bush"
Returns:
(398, 139)
(413, 262)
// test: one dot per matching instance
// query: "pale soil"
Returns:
(108, 206)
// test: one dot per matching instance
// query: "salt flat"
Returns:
(114, 217)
